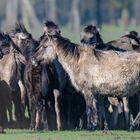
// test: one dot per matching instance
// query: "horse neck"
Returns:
(69, 62)
(9, 69)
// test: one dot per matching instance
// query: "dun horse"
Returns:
(95, 72)
(128, 42)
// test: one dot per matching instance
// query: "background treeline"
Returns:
(70, 13)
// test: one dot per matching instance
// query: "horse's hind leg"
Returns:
(57, 97)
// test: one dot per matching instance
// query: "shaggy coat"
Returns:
(93, 72)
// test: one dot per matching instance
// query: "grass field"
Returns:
(13, 134)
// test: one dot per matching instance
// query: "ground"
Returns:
(13, 134)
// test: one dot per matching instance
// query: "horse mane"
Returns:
(74, 50)
(131, 36)
(19, 27)
(51, 28)
(93, 31)
(2, 35)
(69, 48)
(42, 40)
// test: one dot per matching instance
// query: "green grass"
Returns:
(13, 134)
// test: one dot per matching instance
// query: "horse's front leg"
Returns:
(38, 119)
(32, 110)
(23, 97)
(126, 111)
(91, 111)
(57, 97)
(104, 113)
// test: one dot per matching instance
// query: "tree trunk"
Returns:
(124, 19)
(51, 10)
(125, 15)
(98, 12)
(28, 15)
(75, 16)
(136, 7)
(11, 14)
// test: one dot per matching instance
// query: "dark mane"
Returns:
(91, 35)
(41, 41)
(18, 28)
(68, 47)
(74, 50)
(50, 24)
(131, 36)
(51, 28)
(2, 36)
(93, 30)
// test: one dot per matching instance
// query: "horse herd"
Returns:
(63, 85)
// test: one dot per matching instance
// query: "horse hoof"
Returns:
(32, 129)
(91, 128)
(2, 130)
(105, 130)
(131, 129)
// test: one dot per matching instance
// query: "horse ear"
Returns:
(45, 29)
(126, 33)
(99, 29)
(133, 42)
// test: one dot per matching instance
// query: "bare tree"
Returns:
(98, 12)
(11, 14)
(136, 7)
(125, 15)
(75, 16)
(29, 17)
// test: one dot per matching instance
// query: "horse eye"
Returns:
(44, 46)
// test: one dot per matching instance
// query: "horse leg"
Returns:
(114, 118)
(23, 97)
(136, 121)
(126, 111)
(33, 116)
(94, 113)
(45, 113)
(32, 111)
(91, 111)
(38, 119)
(57, 97)
(104, 114)
(9, 107)
(10, 111)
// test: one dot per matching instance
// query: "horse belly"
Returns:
(120, 87)
(115, 84)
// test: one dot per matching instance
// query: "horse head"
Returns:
(90, 35)
(45, 52)
(23, 40)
